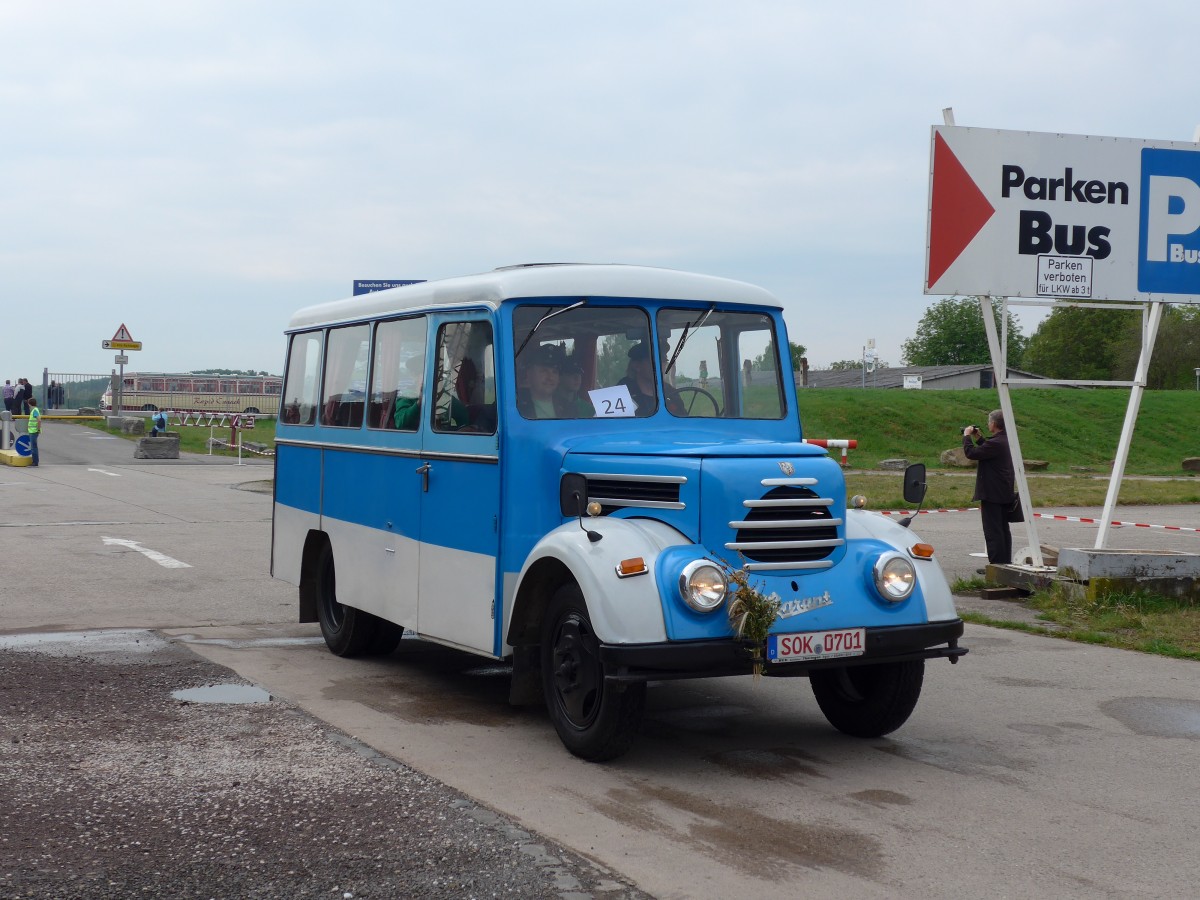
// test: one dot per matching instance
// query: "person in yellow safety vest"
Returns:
(33, 428)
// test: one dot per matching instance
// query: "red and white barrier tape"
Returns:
(1083, 519)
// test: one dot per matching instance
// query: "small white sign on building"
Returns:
(912, 382)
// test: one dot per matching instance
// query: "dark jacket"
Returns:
(994, 481)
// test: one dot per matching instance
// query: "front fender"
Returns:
(939, 602)
(622, 610)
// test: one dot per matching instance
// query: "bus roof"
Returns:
(546, 280)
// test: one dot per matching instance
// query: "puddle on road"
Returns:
(1156, 716)
(223, 693)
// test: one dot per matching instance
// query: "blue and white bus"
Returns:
(564, 466)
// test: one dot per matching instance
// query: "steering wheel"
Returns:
(698, 392)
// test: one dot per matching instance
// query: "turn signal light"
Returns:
(634, 566)
(921, 551)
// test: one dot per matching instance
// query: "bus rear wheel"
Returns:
(869, 701)
(347, 631)
(596, 720)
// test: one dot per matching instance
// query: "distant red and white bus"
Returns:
(150, 391)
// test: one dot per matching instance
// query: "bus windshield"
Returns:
(597, 361)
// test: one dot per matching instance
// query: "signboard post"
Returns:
(122, 340)
(1063, 220)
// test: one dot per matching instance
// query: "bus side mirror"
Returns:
(573, 495)
(914, 483)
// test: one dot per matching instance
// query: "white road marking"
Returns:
(161, 558)
(102, 472)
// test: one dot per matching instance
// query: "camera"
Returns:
(971, 428)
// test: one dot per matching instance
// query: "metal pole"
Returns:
(1149, 333)
(1000, 367)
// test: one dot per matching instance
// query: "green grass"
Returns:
(883, 491)
(1137, 620)
(1063, 426)
(195, 439)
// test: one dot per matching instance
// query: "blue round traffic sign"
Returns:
(21, 445)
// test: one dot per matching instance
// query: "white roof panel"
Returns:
(558, 280)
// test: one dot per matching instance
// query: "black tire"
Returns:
(387, 637)
(869, 701)
(347, 631)
(595, 720)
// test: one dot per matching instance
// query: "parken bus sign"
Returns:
(1061, 216)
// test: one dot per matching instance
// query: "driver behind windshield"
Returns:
(641, 383)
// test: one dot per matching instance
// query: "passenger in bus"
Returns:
(571, 398)
(407, 413)
(538, 398)
(641, 383)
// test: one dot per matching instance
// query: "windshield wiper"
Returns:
(549, 315)
(687, 331)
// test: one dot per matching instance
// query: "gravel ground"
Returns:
(110, 787)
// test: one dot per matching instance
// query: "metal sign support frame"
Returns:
(1152, 312)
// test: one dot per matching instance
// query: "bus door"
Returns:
(459, 474)
(381, 486)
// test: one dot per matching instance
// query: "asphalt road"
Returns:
(1033, 768)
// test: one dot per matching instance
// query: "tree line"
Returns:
(1071, 343)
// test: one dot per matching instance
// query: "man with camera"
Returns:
(994, 482)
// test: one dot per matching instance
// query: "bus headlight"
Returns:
(702, 585)
(894, 576)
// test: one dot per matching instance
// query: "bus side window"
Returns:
(345, 377)
(464, 395)
(303, 374)
(396, 374)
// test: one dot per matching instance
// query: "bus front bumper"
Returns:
(628, 663)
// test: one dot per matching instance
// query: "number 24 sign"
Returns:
(613, 402)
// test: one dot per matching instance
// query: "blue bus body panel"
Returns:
(298, 477)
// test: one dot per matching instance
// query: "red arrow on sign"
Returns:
(957, 212)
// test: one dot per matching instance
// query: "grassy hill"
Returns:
(1062, 426)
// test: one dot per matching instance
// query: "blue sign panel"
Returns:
(22, 445)
(1169, 259)
(367, 287)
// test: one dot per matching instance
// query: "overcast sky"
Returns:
(199, 171)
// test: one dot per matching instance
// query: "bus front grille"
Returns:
(787, 528)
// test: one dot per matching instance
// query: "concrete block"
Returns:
(898, 465)
(1088, 564)
(165, 447)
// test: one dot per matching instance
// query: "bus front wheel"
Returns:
(347, 631)
(869, 701)
(596, 720)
